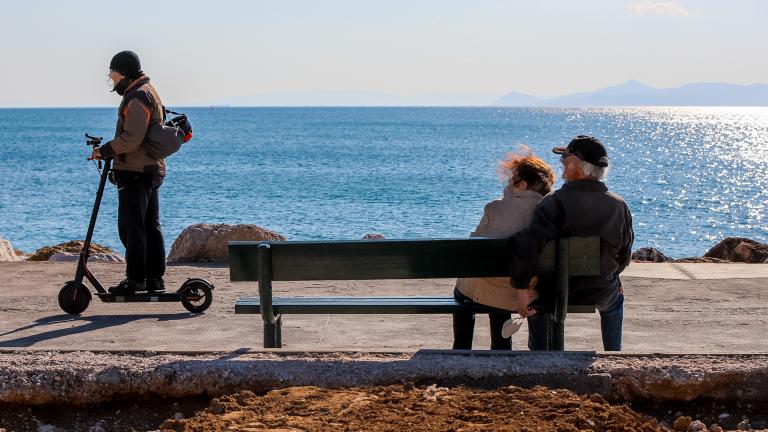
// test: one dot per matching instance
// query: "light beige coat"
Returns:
(501, 218)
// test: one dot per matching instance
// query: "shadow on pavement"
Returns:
(90, 323)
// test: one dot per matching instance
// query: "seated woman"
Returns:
(529, 179)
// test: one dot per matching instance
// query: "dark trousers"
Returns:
(611, 319)
(464, 327)
(138, 222)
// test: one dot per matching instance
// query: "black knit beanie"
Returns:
(126, 63)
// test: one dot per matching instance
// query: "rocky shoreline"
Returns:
(208, 243)
(730, 249)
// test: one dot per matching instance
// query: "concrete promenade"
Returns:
(670, 308)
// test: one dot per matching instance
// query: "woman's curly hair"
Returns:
(537, 173)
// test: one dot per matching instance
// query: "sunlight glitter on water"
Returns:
(691, 174)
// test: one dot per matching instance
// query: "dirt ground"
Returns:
(408, 408)
(141, 413)
(381, 408)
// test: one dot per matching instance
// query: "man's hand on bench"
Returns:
(524, 299)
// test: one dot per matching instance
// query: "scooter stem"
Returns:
(82, 265)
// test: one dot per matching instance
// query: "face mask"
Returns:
(121, 86)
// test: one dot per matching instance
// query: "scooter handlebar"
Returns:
(93, 141)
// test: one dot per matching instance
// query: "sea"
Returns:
(691, 176)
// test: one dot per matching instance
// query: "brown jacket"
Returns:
(141, 107)
(501, 219)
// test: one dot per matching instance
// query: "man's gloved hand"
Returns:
(524, 299)
(95, 155)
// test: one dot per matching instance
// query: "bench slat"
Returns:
(399, 259)
(372, 305)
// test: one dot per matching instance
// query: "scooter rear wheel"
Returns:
(74, 298)
(196, 295)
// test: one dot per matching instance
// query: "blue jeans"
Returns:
(611, 319)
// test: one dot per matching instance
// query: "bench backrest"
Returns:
(400, 259)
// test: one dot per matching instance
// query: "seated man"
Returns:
(582, 207)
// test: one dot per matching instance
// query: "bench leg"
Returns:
(273, 333)
(554, 333)
(549, 330)
(558, 335)
(561, 299)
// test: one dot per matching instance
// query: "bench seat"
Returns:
(373, 305)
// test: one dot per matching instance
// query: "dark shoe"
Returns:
(155, 285)
(127, 287)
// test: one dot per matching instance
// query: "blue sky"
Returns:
(202, 52)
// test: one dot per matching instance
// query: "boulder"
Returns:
(208, 242)
(96, 257)
(739, 249)
(74, 246)
(6, 251)
(373, 236)
(752, 252)
(649, 254)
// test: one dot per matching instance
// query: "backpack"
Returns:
(165, 139)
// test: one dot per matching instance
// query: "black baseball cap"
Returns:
(587, 148)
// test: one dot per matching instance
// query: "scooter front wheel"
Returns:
(196, 295)
(74, 298)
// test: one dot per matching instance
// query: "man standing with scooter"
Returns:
(138, 177)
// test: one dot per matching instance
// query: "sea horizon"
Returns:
(562, 107)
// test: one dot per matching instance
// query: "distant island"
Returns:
(635, 93)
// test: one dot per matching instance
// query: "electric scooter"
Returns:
(195, 294)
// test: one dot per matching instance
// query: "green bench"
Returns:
(267, 261)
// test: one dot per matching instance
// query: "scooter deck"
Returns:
(137, 298)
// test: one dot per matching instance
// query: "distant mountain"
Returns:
(630, 93)
(519, 99)
(635, 93)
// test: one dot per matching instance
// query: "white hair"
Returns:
(593, 171)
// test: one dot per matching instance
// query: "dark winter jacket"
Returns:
(581, 208)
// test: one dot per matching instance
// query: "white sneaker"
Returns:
(511, 326)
